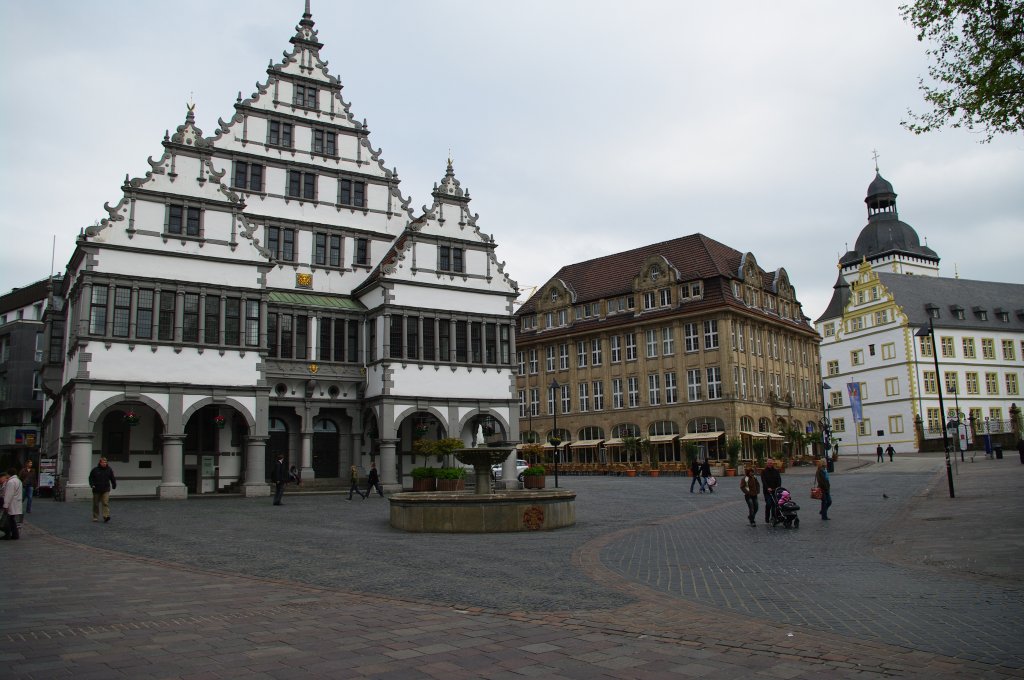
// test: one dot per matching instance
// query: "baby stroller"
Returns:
(785, 509)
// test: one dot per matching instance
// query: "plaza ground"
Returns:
(652, 582)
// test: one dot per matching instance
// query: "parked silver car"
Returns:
(520, 466)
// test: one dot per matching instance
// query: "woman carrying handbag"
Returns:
(822, 486)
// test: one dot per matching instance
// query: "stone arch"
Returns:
(250, 420)
(110, 402)
(483, 411)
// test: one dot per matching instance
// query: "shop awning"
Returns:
(586, 443)
(662, 438)
(612, 442)
(339, 302)
(761, 435)
(701, 436)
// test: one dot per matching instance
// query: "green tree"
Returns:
(977, 48)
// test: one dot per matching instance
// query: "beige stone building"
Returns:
(682, 342)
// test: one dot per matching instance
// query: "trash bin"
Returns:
(999, 452)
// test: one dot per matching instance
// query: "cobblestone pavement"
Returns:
(652, 582)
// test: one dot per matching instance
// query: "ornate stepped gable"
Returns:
(297, 130)
(448, 221)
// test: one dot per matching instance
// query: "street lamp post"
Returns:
(555, 439)
(924, 333)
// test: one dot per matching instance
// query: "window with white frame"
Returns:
(691, 336)
(1008, 351)
(535, 401)
(889, 351)
(832, 367)
(654, 389)
(668, 342)
(598, 395)
(616, 348)
(693, 392)
(584, 391)
(616, 392)
(581, 354)
(714, 382)
(892, 387)
(652, 342)
(896, 424)
(633, 391)
(988, 348)
(672, 389)
(563, 356)
(550, 356)
(711, 334)
(595, 352)
(533, 362)
(630, 346)
(864, 427)
(1012, 387)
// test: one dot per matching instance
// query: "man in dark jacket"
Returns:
(695, 471)
(279, 476)
(102, 480)
(770, 481)
(373, 481)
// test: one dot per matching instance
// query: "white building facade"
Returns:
(877, 336)
(266, 290)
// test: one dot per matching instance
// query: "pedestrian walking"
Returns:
(29, 477)
(102, 480)
(279, 476)
(294, 475)
(11, 492)
(695, 472)
(770, 481)
(878, 450)
(354, 474)
(373, 481)
(822, 482)
(890, 451)
(751, 490)
(705, 475)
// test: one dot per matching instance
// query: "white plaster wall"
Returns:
(161, 364)
(463, 383)
(468, 301)
(140, 264)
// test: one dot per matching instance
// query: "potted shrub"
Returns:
(633, 451)
(423, 478)
(732, 450)
(532, 452)
(534, 477)
(692, 451)
(450, 478)
(759, 446)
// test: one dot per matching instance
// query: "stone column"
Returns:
(388, 477)
(255, 463)
(81, 464)
(307, 452)
(172, 487)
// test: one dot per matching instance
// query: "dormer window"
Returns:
(655, 272)
(932, 310)
(958, 312)
(554, 295)
(982, 314)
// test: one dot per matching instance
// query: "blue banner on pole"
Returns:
(853, 389)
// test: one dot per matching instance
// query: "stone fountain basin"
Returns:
(503, 511)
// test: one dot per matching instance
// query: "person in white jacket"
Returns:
(12, 492)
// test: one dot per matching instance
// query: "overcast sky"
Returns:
(580, 128)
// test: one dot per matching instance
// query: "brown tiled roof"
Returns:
(695, 257)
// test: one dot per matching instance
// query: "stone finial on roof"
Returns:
(188, 134)
(450, 187)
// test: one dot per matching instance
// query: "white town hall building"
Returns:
(268, 289)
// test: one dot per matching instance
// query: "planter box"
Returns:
(533, 481)
(654, 473)
(631, 473)
(451, 484)
(429, 484)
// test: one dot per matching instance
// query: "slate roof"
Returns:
(695, 257)
(30, 294)
(915, 293)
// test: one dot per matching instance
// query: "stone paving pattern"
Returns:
(652, 582)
